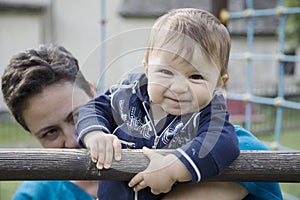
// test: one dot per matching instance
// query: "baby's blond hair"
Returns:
(183, 31)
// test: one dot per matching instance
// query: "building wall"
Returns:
(76, 25)
(19, 30)
(238, 68)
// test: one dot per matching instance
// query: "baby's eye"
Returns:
(167, 72)
(196, 77)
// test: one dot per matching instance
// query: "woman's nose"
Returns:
(70, 138)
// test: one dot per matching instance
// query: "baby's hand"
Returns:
(103, 147)
(161, 173)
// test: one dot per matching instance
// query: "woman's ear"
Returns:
(225, 78)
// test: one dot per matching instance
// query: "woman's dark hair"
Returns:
(29, 72)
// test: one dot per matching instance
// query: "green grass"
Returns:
(288, 139)
(7, 189)
(291, 188)
(13, 135)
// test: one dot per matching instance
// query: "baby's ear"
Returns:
(225, 78)
(145, 67)
(93, 89)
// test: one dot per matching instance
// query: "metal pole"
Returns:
(103, 21)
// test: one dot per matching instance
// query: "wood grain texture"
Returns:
(75, 164)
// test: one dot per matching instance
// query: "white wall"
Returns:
(14, 32)
(75, 24)
(264, 72)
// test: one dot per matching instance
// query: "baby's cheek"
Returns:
(152, 94)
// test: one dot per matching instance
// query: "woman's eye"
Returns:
(50, 133)
(167, 72)
(196, 77)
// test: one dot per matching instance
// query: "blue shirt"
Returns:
(257, 190)
(50, 190)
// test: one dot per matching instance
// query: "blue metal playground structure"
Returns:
(279, 102)
(249, 56)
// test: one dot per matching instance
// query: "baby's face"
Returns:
(178, 86)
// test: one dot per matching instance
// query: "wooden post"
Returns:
(75, 164)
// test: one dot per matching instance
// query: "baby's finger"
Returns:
(136, 180)
(100, 165)
(94, 152)
(140, 186)
(117, 149)
(150, 153)
(108, 154)
(101, 148)
(156, 192)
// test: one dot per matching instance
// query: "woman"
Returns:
(38, 87)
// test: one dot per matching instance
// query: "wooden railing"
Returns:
(75, 164)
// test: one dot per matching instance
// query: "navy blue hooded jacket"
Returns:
(205, 141)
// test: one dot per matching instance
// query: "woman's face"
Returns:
(50, 115)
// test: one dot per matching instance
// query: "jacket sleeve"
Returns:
(216, 145)
(95, 115)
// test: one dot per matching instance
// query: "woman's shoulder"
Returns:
(247, 140)
(56, 190)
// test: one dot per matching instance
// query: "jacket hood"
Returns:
(139, 85)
